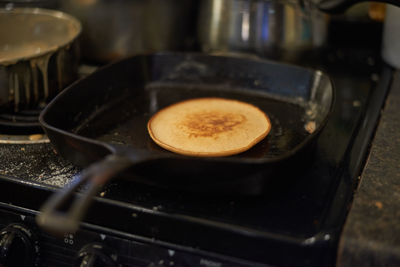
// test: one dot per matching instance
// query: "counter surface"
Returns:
(371, 235)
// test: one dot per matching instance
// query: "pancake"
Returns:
(209, 127)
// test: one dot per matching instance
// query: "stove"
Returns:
(293, 221)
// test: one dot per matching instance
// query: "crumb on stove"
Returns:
(102, 194)
(378, 204)
(35, 137)
(310, 126)
(356, 103)
(22, 148)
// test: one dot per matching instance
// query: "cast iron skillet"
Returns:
(102, 119)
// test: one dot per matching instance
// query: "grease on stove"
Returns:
(23, 139)
(36, 162)
(356, 103)
(310, 126)
(35, 137)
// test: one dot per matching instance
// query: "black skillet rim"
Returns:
(113, 150)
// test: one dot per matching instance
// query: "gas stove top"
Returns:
(294, 221)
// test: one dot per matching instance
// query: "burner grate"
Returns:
(24, 122)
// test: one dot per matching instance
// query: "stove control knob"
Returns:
(96, 255)
(18, 246)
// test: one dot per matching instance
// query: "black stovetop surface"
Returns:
(301, 216)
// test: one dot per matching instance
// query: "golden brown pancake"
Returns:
(209, 127)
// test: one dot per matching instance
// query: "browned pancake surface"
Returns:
(209, 127)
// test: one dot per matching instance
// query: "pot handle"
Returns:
(55, 219)
(339, 6)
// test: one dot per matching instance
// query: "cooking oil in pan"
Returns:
(126, 122)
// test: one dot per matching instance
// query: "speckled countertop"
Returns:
(371, 235)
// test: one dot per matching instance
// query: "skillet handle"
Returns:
(57, 221)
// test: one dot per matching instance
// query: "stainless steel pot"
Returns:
(278, 29)
(49, 4)
(113, 29)
(38, 55)
(391, 37)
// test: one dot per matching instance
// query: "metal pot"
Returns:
(49, 4)
(278, 29)
(38, 55)
(391, 37)
(113, 29)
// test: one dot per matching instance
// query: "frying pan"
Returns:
(101, 120)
